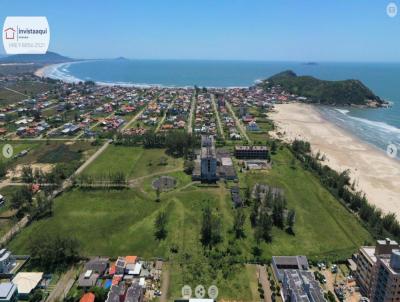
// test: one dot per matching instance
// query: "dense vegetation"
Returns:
(379, 225)
(347, 92)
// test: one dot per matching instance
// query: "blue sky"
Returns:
(284, 30)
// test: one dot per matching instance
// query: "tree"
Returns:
(255, 209)
(53, 251)
(27, 174)
(293, 163)
(247, 195)
(160, 226)
(278, 208)
(238, 223)
(265, 226)
(22, 198)
(158, 194)
(36, 296)
(3, 169)
(274, 147)
(290, 219)
(211, 228)
(188, 167)
(100, 293)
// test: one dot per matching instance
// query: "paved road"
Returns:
(263, 279)
(239, 124)
(190, 121)
(221, 130)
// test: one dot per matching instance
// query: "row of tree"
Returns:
(339, 185)
(178, 143)
(105, 180)
(56, 176)
(36, 207)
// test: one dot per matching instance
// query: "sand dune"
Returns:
(375, 173)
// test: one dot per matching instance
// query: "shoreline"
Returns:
(51, 71)
(374, 173)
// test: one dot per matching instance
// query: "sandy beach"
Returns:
(41, 71)
(375, 173)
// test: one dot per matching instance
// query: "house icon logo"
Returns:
(10, 33)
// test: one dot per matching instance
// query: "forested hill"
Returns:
(339, 93)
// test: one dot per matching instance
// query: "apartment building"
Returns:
(385, 285)
(367, 260)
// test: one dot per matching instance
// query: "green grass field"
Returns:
(48, 152)
(25, 87)
(134, 161)
(112, 223)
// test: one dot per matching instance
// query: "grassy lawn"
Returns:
(50, 152)
(323, 228)
(26, 87)
(113, 223)
(134, 161)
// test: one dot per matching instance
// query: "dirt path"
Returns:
(14, 230)
(134, 181)
(134, 119)
(164, 117)
(165, 285)
(239, 125)
(263, 280)
(63, 286)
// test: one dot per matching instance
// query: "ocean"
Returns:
(379, 127)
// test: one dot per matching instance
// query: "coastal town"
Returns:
(116, 193)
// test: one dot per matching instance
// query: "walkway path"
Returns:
(239, 124)
(165, 284)
(164, 116)
(264, 281)
(63, 286)
(134, 119)
(14, 230)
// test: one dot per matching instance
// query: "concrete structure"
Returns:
(208, 159)
(7, 261)
(385, 285)
(300, 286)
(251, 152)
(212, 165)
(282, 263)
(366, 262)
(8, 292)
